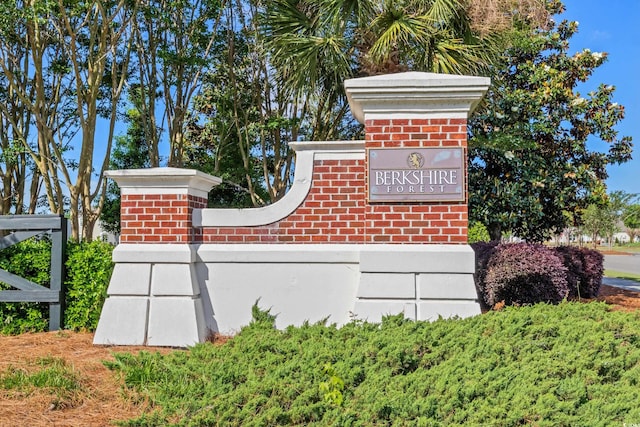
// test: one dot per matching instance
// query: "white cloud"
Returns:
(600, 35)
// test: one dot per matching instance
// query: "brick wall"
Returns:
(444, 222)
(159, 218)
(336, 209)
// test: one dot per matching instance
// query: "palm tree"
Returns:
(320, 43)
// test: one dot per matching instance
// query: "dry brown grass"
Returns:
(101, 401)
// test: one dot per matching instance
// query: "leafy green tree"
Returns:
(244, 115)
(131, 151)
(530, 168)
(173, 41)
(69, 74)
(599, 221)
(316, 43)
(20, 188)
(631, 221)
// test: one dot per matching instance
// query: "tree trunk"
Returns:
(495, 232)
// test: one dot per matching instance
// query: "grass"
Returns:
(51, 375)
(628, 248)
(622, 275)
(544, 365)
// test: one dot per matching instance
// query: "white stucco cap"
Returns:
(163, 181)
(415, 95)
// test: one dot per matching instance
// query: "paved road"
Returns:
(623, 263)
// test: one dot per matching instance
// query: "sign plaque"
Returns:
(432, 174)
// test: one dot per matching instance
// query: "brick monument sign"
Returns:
(368, 228)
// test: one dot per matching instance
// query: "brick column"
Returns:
(416, 189)
(417, 222)
(415, 111)
(157, 204)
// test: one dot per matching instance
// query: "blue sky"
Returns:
(612, 26)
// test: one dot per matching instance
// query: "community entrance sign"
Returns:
(416, 174)
(368, 228)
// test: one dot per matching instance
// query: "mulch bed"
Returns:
(621, 299)
(103, 399)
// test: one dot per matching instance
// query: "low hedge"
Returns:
(525, 273)
(88, 270)
(543, 365)
(586, 268)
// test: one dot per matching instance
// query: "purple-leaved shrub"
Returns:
(524, 273)
(484, 251)
(593, 268)
(573, 259)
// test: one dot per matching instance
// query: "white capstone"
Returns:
(414, 95)
(163, 181)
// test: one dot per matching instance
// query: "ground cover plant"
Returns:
(546, 365)
(50, 373)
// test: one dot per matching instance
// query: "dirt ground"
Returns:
(103, 399)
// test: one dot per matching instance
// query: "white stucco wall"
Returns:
(335, 282)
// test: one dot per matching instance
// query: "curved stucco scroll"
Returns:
(306, 154)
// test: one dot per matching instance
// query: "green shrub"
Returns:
(30, 259)
(88, 269)
(478, 233)
(543, 365)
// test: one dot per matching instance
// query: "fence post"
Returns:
(57, 275)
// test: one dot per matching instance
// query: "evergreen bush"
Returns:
(89, 269)
(477, 232)
(30, 259)
(570, 365)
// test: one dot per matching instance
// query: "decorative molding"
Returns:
(164, 181)
(306, 154)
(414, 95)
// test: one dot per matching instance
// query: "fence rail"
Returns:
(22, 227)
